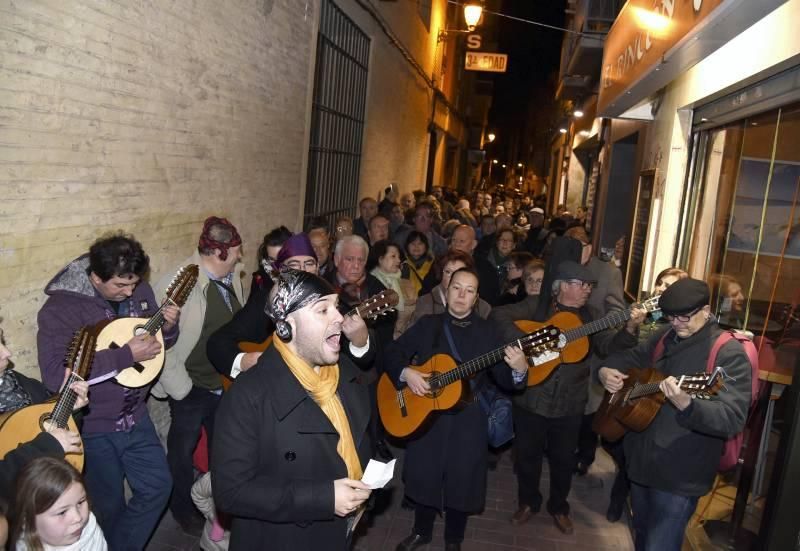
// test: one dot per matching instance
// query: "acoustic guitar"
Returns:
(403, 412)
(116, 333)
(23, 425)
(573, 341)
(636, 404)
(376, 305)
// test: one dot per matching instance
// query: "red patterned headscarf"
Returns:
(208, 242)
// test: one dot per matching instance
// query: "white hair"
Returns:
(555, 288)
(350, 240)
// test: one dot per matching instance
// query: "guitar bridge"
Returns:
(401, 401)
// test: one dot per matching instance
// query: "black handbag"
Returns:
(494, 403)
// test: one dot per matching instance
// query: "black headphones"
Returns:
(283, 330)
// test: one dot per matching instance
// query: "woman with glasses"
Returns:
(674, 461)
(513, 286)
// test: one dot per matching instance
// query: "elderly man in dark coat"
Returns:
(445, 465)
(291, 440)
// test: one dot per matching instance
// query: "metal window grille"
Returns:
(337, 124)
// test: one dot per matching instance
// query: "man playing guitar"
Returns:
(674, 460)
(119, 439)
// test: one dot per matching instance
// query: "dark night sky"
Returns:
(534, 54)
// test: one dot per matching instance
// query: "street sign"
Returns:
(486, 61)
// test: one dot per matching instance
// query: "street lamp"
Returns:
(495, 161)
(491, 136)
(562, 130)
(577, 113)
(472, 15)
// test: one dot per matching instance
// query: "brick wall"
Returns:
(145, 116)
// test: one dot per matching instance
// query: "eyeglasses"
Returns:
(534, 280)
(684, 318)
(583, 284)
(305, 265)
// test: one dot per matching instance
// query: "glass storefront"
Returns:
(741, 233)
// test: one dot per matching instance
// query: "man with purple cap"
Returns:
(292, 440)
(251, 323)
(189, 380)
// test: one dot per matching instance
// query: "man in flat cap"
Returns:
(674, 461)
(548, 415)
(291, 440)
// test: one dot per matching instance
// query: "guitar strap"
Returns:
(454, 350)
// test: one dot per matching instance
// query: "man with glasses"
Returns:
(674, 461)
(548, 416)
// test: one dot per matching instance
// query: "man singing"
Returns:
(291, 437)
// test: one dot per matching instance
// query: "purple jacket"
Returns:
(73, 303)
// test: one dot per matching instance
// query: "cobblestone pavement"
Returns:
(490, 531)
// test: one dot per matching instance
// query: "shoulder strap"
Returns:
(450, 340)
(658, 351)
(719, 343)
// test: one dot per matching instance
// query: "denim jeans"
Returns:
(659, 518)
(135, 456)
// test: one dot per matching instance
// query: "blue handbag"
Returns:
(494, 403)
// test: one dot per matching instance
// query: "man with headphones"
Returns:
(291, 438)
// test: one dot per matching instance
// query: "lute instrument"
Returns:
(572, 344)
(637, 403)
(376, 305)
(25, 424)
(403, 412)
(116, 333)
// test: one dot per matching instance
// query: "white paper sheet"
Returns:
(378, 474)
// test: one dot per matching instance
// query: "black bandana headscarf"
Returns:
(294, 289)
(12, 395)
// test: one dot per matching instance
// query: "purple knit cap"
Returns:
(297, 245)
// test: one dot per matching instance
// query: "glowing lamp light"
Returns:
(472, 14)
(519, 165)
(562, 130)
(577, 113)
(495, 161)
(491, 136)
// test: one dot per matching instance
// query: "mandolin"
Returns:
(636, 404)
(403, 412)
(572, 344)
(376, 305)
(115, 333)
(23, 425)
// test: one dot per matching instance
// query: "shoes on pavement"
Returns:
(523, 515)
(414, 541)
(563, 523)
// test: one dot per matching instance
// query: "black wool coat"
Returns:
(446, 461)
(274, 458)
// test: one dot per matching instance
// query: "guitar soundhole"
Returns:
(436, 388)
(46, 423)
(139, 330)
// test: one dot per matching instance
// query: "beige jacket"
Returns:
(174, 380)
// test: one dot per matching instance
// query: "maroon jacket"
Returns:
(73, 303)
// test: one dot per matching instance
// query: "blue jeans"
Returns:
(138, 457)
(659, 518)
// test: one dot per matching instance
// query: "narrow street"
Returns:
(491, 531)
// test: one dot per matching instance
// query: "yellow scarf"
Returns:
(322, 388)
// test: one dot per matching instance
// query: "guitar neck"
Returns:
(466, 369)
(157, 321)
(65, 403)
(611, 320)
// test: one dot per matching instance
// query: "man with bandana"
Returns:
(119, 439)
(190, 381)
(291, 438)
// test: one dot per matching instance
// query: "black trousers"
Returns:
(196, 410)
(533, 435)
(455, 523)
(622, 486)
(587, 441)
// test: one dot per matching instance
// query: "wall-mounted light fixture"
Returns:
(472, 15)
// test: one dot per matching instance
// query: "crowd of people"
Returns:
(287, 428)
